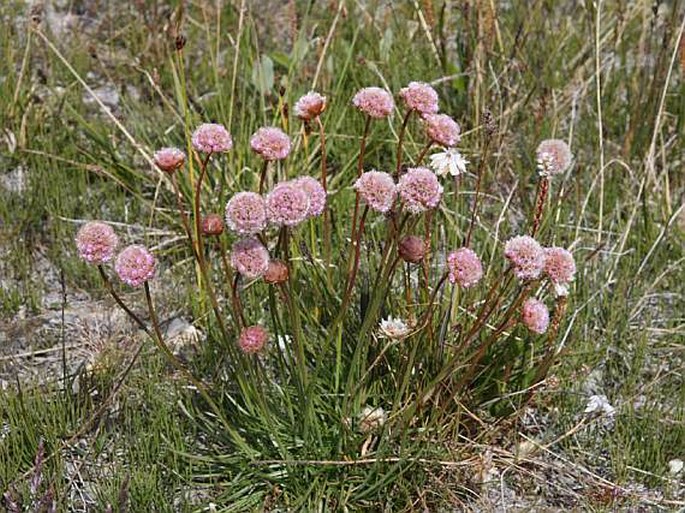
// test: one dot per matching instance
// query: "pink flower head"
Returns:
(135, 265)
(442, 129)
(287, 204)
(535, 315)
(270, 143)
(250, 258)
(169, 159)
(212, 138)
(377, 189)
(420, 97)
(526, 256)
(96, 242)
(316, 193)
(411, 249)
(464, 267)
(253, 339)
(374, 101)
(310, 106)
(246, 213)
(554, 157)
(212, 225)
(560, 267)
(419, 189)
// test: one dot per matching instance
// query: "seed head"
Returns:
(246, 213)
(270, 143)
(419, 189)
(287, 204)
(554, 157)
(420, 97)
(250, 258)
(310, 106)
(169, 159)
(412, 249)
(212, 138)
(535, 315)
(374, 101)
(464, 267)
(442, 129)
(96, 242)
(377, 190)
(526, 257)
(135, 265)
(253, 339)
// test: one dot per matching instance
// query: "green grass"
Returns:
(534, 68)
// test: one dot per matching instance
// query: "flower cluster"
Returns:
(270, 143)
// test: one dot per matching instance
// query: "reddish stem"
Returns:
(543, 188)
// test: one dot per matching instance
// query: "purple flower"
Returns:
(419, 189)
(287, 204)
(374, 101)
(535, 316)
(212, 138)
(464, 267)
(253, 339)
(246, 213)
(526, 256)
(310, 106)
(169, 159)
(270, 143)
(420, 97)
(135, 265)
(377, 189)
(250, 258)
(442, 129)
(315, 192)
(96, 242)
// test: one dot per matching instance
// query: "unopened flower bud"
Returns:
(212, 224)
(412, 249)
(277, 272)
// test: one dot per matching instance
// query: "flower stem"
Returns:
(479, 179)
(326, 213)
(543, 188)
(360, 167)
(423, 153)
(400, 142)
(262, 176)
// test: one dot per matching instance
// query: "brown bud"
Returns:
(277, 272)
(412, 249)
(212, 224)
(180, 42)
(489, 123)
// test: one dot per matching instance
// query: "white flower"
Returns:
(600, 404)
(448, 161)
(393, 328)
(561, 290)
(371, 419)
(675, 466)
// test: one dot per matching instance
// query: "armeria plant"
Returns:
(346, 329)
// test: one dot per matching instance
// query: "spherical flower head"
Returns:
(420, 97)
(560, 267)
(253, 339)
(371, 419)
(526, 256)
(287, 205)
(553, 156)
(169, 159)
(412, 249)
(442, 129)
(535, 316)
(394, 329)
(246, 213)
(96, 242)
(276, 273)
(377, 190)
(419, 189)
(270, 143)
(135, 265)
(212, 225)
(464, 267)
(212, 138)
(310, 106)
(315, 192)
(250, 258)
(374, 102)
